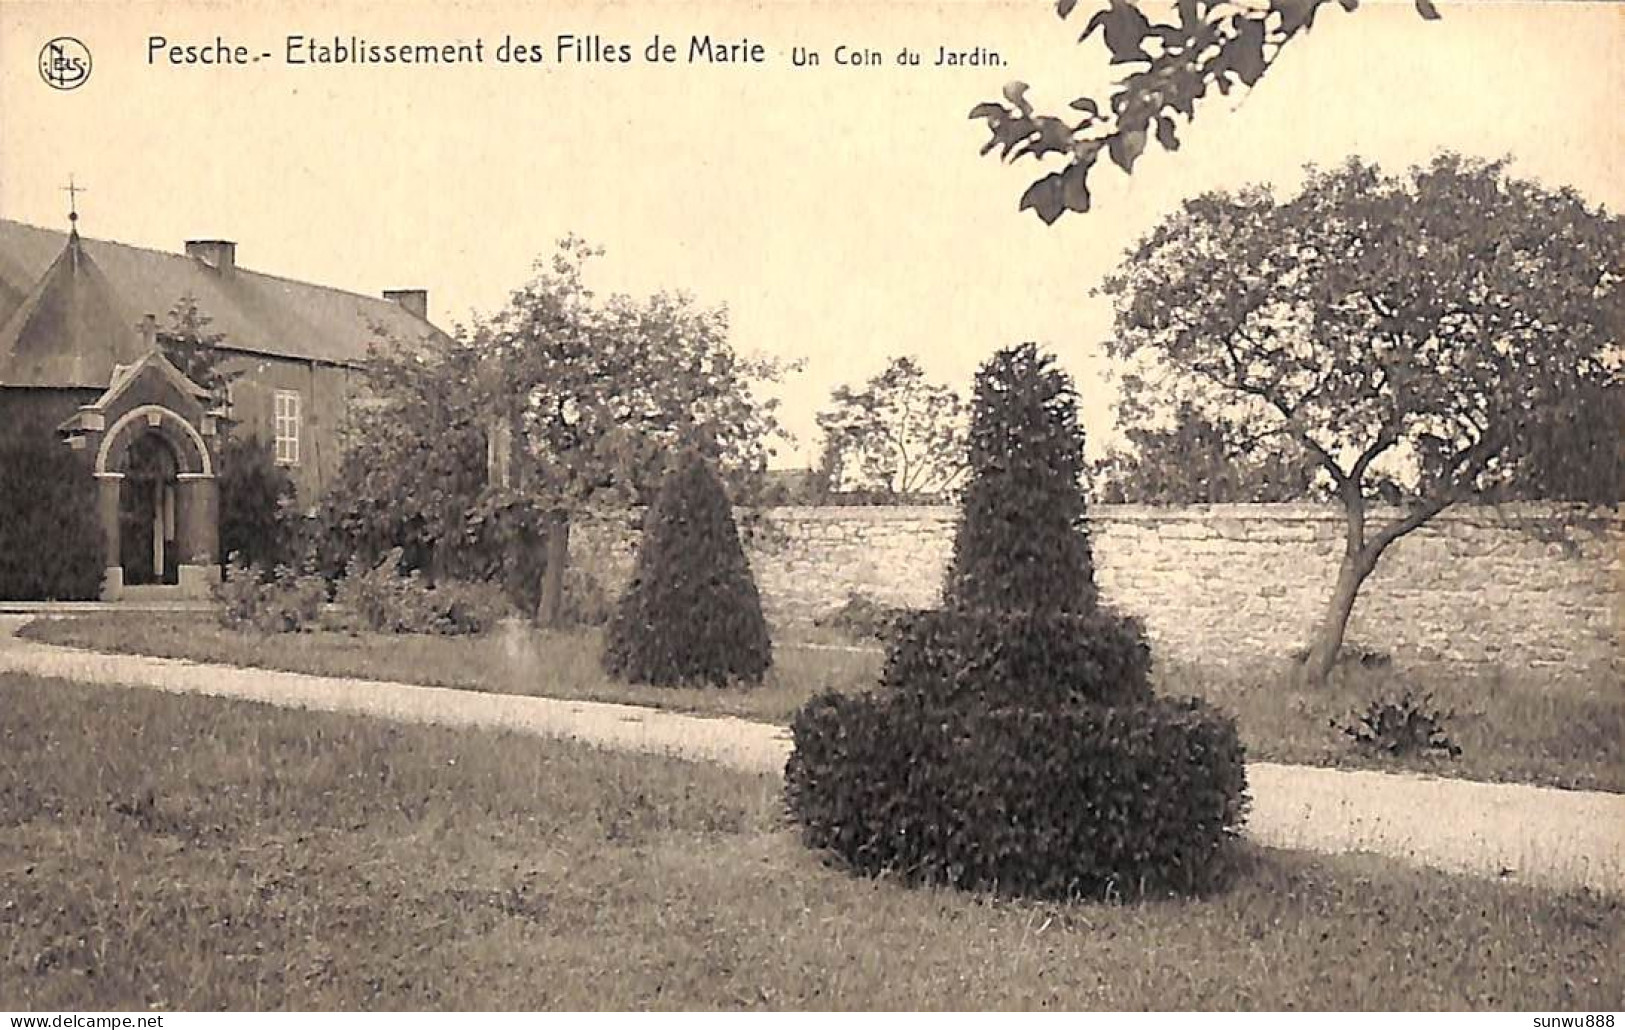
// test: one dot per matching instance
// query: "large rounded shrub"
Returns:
(51, 546)
(1079, 800)
(691, 613)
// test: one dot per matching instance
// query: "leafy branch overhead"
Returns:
(1206, 44)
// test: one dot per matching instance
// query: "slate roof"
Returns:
(258, 313)
(69, 330)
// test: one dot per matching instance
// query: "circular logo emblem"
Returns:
(64, 63)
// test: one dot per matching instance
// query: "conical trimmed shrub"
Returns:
(1018, 748)
(1021, 544)
(691, 613)
(1021, 623)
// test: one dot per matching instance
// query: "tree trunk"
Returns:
(550, 610)
(1328, 638)
(439, 562)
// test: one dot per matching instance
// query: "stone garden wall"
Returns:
(1475, 586)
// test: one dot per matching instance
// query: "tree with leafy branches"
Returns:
(192, 344)
(1173, 454)
(1173, 59)
(594, 392)
(560, 403)
(413, 466)
(1578, 456)
(1432, 328)
(899, 435)
(1196, 460)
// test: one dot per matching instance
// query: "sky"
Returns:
(841, 213)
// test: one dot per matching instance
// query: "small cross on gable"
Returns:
(73, 192)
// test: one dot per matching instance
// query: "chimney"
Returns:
(415, 301)
(220, 255)
(149, 331)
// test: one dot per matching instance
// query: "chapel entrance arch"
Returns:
(147, 503)
(158, 501)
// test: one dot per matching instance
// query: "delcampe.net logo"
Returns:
(64, 63)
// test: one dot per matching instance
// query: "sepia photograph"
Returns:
(770, 506)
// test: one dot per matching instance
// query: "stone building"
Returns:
(79, 350)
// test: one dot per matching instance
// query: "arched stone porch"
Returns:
(158, 503)
(150, 441)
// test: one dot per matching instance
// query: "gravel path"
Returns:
(1509, 831)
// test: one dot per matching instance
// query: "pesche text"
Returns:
(564, 48)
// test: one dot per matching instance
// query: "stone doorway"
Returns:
(147, 546)
(152, 440)
(158, 505)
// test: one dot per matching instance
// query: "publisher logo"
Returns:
(64, 63)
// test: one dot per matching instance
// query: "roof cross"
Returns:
(73, 196)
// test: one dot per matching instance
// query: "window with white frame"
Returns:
(286, 425)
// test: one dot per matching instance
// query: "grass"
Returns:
(182, 852)
(559, 665)
(1512, 729)
(1562, 733)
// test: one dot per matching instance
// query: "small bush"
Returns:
(1081, 800)
(386, 600)
(1020, 658)
(282, 601)
(861, 617)
(51, 546)
(1350, 655)
(257, 514)
(382, 597)
(469, 609)
(691, 613)
(1402, 726)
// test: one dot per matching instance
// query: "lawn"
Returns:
(559, 665)
(1563, 733)
(184, 852)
